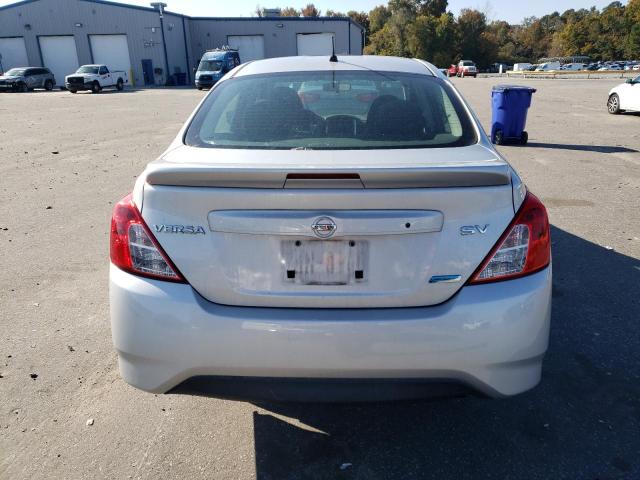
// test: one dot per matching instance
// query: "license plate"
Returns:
(317, 262)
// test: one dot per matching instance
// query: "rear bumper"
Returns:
(489, 338)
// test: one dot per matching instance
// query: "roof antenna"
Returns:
(333, 57)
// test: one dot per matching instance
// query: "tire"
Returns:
(48, 85)
(120, 85)
(73, 90)
(22, 88)
(498, 138)
(524, 138)
(613, 104)
(95, 87)
(199, 88)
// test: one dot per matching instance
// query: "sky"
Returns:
(512, 11)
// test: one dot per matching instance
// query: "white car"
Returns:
(573, 66)
(95, 78)
(277, 252)
(548, 67)
(613, 67)
(625, 96)
(466, 68)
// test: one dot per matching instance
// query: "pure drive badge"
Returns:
(186, 229)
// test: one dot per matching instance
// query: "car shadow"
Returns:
(107, 92)
(583, 148)
(582, 421)
(138, 89)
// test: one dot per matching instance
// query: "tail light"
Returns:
(524, 247)
(134, 248)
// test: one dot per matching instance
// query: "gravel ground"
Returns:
(65, 159)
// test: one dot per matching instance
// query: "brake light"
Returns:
(134, 248)
(524, 247)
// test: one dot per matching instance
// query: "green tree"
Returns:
(310, 11)
(289, 12)
(433, 7)
(433, 38)
(378, 18)
(424, 29)
(632, 16)
(471, 26)
(362, 18)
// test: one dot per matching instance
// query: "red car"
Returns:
(452, 71)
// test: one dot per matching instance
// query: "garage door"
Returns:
(14, 53)
(59, 55)
(315, 43)
(112, 50)
(250, 47)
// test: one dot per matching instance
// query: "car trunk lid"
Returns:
(315, 229)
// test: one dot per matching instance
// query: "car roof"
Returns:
(345, 62)
(218, 54)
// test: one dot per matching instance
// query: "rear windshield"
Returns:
(332, 110)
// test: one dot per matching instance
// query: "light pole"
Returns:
(160, 6)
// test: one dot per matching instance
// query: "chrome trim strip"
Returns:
(445, 278)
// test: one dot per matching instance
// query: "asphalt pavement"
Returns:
(65, 412)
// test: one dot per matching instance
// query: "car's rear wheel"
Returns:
(95, 88)
(524, 138)
(120, 84)
(48, 85)
(73, 90)
(613, 104)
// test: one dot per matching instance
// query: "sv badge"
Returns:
(473, 229)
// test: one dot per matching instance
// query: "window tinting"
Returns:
(332, 110)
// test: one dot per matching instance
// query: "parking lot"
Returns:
(65, 159)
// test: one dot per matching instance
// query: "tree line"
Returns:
(427, 29)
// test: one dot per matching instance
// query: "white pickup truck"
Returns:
(95, 78)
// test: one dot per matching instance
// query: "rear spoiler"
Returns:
(426, 177)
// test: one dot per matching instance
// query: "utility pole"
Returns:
(160, 6)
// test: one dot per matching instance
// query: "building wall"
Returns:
(59, 17)
(280, 33)
(186, 38)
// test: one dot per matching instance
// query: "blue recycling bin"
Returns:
(509, 113)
